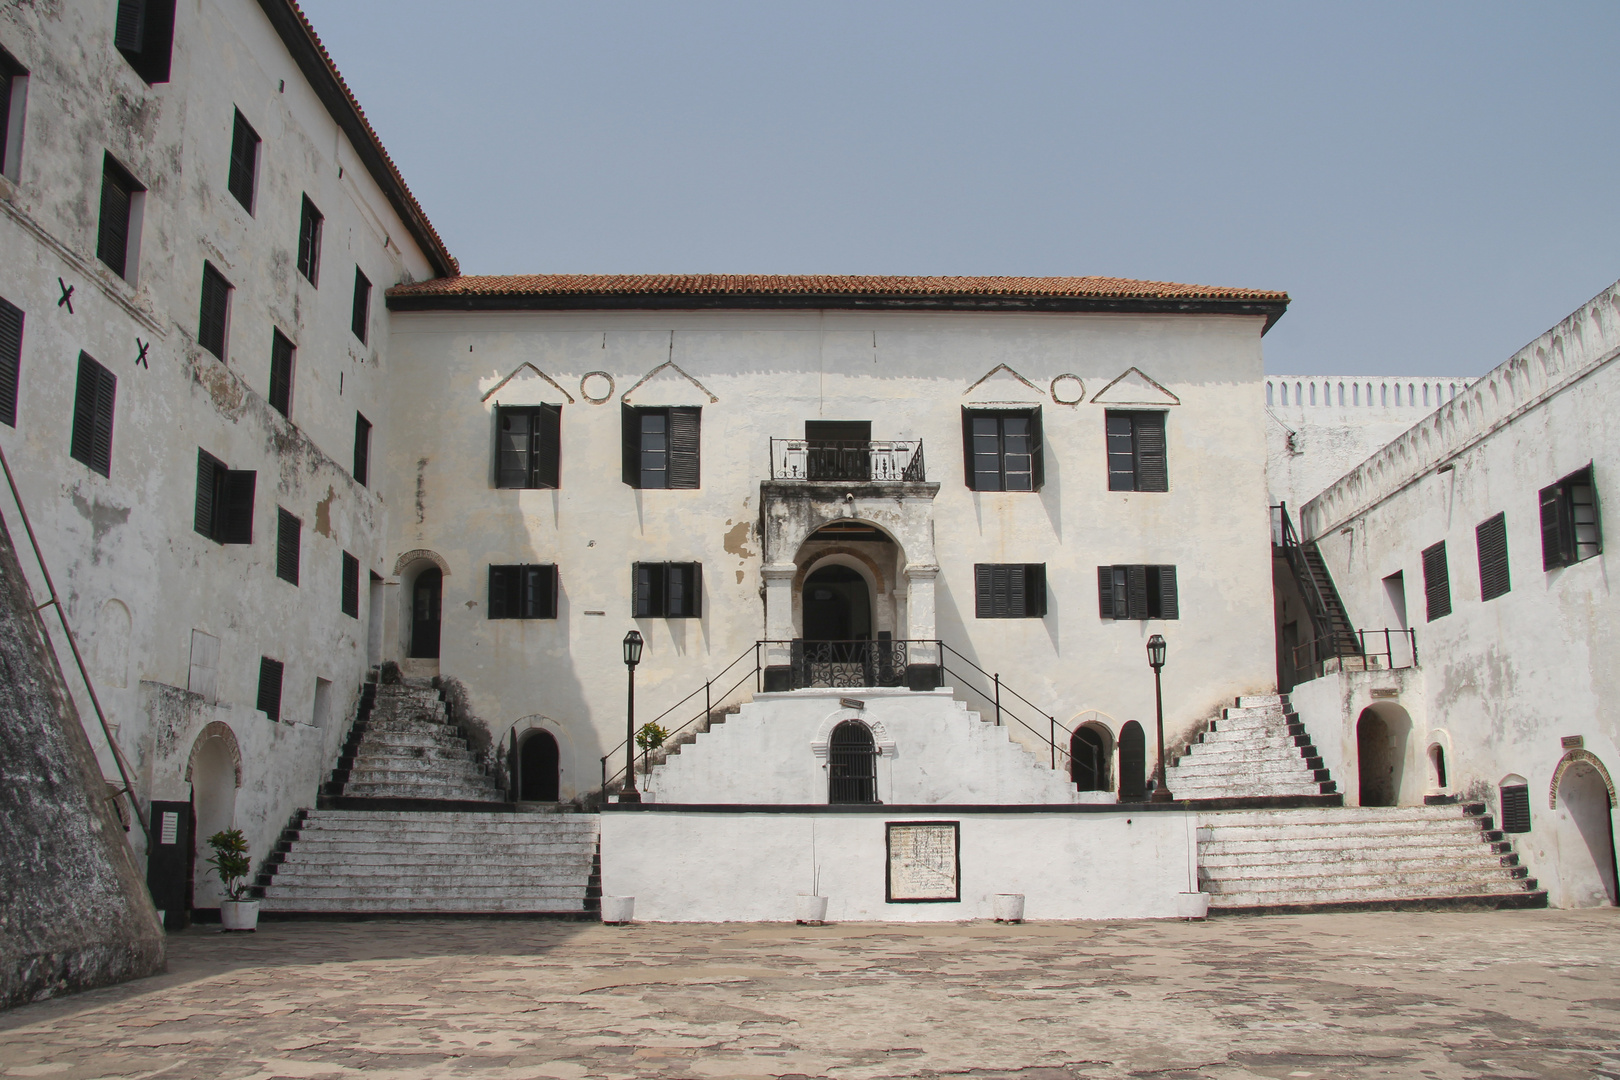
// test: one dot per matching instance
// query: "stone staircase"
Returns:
(403, 746)
(1258, 749)
(413, 862)
(1258, 861)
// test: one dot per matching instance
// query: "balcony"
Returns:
(851, 461)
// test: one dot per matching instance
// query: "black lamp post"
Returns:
(1155, 649)
(632, 657)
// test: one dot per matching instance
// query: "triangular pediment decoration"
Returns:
(668, 365)
(1008, 379)
(1134, 388)
(519, 371)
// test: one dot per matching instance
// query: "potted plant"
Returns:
(649, 738)
(232, 864)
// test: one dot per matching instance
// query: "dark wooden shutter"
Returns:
(351, 586)
(1436, 582)
(1516, 809)
(1017, 592)
(288, 529)
(210, 475)
(270, 687)
(1152, 471)
(1136, 592)
(1105, 592)
(1037, 451)
(362, 304)
(1490, 537)
(1035, 591)
(281, 368)
(91, 441)
(514, 443)
(11, 335)
(129, 30)
(984, 602)
(112, 239)
(7, 73)
(1557, 536)
(244, 156)
(237, 523)
(547, 446)
(630, 437)
(544, 591)
(647, 590)
(362, 449)
(1169, 604)
(967, 450)
(216, 298)
(499, 606)
(309, 242)
(685, 442)
(157, 41)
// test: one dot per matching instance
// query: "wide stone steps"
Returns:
(357, 903)
(1268, 768)
(1255, 748)
(436, 790)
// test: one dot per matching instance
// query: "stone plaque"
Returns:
(925, 862)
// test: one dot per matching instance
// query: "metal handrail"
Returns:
(707, 690)
(1293, 551)
(1002, 710)
(1315, 657)
(858, 460)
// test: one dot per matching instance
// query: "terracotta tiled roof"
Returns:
(831, 285)
(305, 45)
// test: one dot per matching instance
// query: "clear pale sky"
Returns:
(1434, 184)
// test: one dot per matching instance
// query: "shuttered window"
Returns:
(11, 335)
(91, 442)
(1002, 449)
(361, 319)
(143, 31)
(528, 446)
(244, 161)
(1137, 458)
(351, 586)
(661, 446)
(216, 305)
(270, 687)
(1436, 581)
(1009, 591)
(666, 590)
(362, 449)
(117, 223)
(288, 531)
(1138, 592)
(1516, 808)
(523, 592)
(1571, 524)
(281, 373)
(309, 242)
(1490, 537)
(10, 72)
(224, 505)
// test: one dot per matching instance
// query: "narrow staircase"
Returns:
(403, 746)
(1329, 607)
(1258, 749)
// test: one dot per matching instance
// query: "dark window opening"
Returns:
(11, 99)
(1516, 808)
(1436, 582)
(1132, 763)
(120, 222)
(144, 34)
(851, 764)
(538, 768)
(661, 446)
(309, 242)
(1088, 759)
(224, 506)
(362, 304)
(351, 586)
(1137, 458)
(523, 592)
(1571, 525)
(1490, 537)
(362, 449)
(270, 672)
(1437, 757)
(1003, 450)
(281, 373)
(288, 531)
(666, 590)
(528, 446)
(215, 313)
(838, 450)
(1138, 592)
(426, 598)
(91, 442)
(1009, 591)
(11, 335)
(244, 162)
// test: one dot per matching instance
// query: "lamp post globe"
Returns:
(1156, 651)
(632, 657)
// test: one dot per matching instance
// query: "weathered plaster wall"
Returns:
(696, 867)
(762, 375)
(74, 911)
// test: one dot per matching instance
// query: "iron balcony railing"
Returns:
(847, 462)
(1399, 651)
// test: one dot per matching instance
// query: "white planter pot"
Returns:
(1009, 907)
(811, 910)
(239, 914)
(1192, 905)
(618, 910)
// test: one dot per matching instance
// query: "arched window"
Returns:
(1299, 395)
(1437, 762)
(851, 764)
(1285, 393)
(1355, 393)
(1271, 394)
(1341, 395)
(1313, 393)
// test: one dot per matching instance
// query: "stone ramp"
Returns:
(1257, 749)
(1259, 861)
(417, 862)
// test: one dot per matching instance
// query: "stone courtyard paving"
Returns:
(1410, 994)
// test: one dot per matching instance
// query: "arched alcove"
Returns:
(851, 764)
(214, 770)
(1381, 733)
(1091, 751)
(538, 760)
(1583, 801)
(112, 643)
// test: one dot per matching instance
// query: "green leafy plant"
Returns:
(231, 861)
(651, 736)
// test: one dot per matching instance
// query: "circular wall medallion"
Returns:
(1068, 390)
(596, 386)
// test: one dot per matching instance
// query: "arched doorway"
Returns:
(1132, 763)
(213, 774)
(1585, 836)
(851, 764)
(1375, 760)
(837, 605)
(1090, 751)
(537, 767)
(427, 596)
